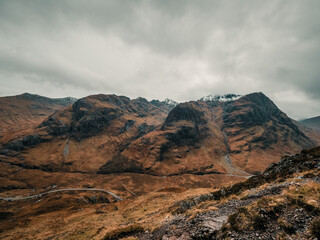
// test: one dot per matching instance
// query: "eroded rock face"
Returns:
(55, 126)
(257, 111)
(253, 109)
(187, 112)
(90, 119)
(25, 142)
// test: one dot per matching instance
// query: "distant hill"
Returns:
(312, 122)
(27, 110)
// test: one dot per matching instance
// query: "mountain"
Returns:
(312, 122)
(84, 136)
(108, 165)
(113, 134)
(215, 137)
(27, 111)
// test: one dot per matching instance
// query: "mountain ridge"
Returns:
(27, 110)
(162, 139)
(313, 122)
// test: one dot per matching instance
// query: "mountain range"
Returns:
(114, 134)
(134, 150)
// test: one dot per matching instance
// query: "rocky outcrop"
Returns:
(23, 143)
(121, 164)
(187, 112)
(255, 109)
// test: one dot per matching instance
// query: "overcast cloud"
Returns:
(167, 48)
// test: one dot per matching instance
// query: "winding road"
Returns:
(61, 190)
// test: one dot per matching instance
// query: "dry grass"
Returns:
(315, 228)
(123, 232)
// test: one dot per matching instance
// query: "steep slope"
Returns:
(312, 122)
(257, 129)
(213, 136)
(86, 135)
(113, 134)
(151, 154)
(27, 111)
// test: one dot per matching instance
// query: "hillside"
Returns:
(281, 203)
(26, 111)
(312, 122)
(139, 163)
(113, 134)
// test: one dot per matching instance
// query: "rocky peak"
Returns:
(66, 101)
(253, 109)
(185, 111)
(170, 102)
(262, 101)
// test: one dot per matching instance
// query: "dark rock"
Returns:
(55, 126)
(21, 144)
(98, 199)
(185, 111)
(127, 126)
(144, 129)
(120, 164)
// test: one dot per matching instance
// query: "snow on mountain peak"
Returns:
(170, 102)
(220, 98)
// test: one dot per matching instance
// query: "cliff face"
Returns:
(113, 134)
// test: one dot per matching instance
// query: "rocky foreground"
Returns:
(281, 203)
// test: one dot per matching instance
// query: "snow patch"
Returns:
(220, 98)
(170, 102)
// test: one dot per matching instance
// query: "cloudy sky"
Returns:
(163, 48)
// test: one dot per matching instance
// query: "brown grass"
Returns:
(123, 232)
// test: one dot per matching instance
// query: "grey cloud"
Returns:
(176, 49)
